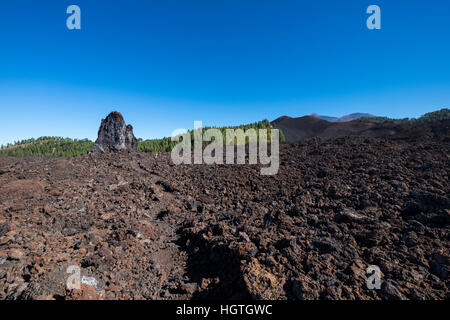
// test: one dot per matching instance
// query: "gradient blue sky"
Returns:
(166, 63)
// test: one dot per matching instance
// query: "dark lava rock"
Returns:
(326, 245)
(114, 135)
(440, 265)
(305, 289)
(390, 292)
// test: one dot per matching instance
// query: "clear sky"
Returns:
(166, 63)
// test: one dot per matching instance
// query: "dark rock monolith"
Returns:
(114, 135)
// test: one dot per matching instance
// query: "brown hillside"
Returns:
(297, 129)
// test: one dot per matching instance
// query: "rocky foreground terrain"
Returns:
(147, 229)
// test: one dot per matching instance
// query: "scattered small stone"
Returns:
(348, 215)
(16, 254)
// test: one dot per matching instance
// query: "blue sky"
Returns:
(166, 63)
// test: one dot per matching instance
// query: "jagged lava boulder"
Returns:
(114, 135)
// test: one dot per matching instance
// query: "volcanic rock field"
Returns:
(145, 228)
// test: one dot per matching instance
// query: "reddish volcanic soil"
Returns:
(147, 229)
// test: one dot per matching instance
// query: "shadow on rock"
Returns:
(213, 266)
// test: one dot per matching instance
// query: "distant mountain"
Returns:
(366, 125)
(296, 129)
(346, 118)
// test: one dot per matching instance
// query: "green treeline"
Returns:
(66, 147)
(154, 145)
(47, 146)
(166, 144)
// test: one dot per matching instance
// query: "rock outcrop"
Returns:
(114, 135)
